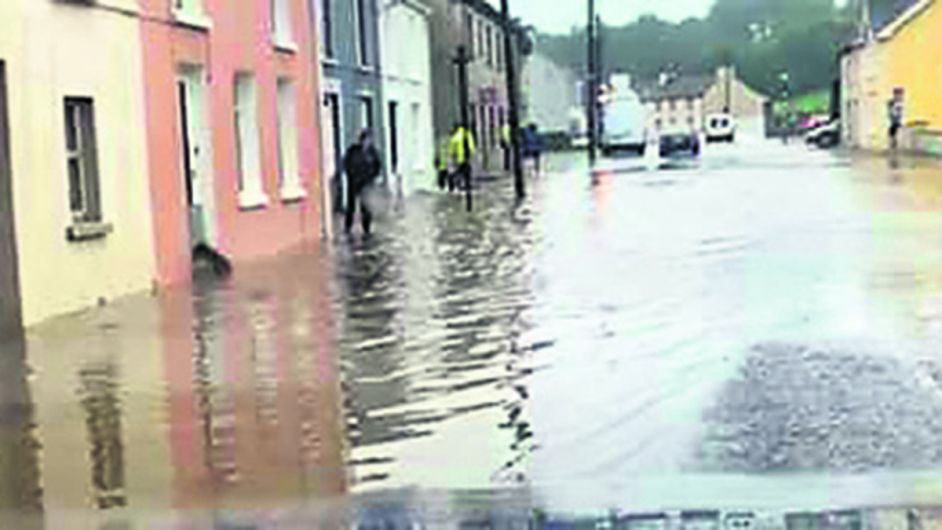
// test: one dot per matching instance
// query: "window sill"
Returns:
(252, 200)
(188, 19)
(293, 193)
(285, 46)
(87, 231)
(366, 69)
(330, 61)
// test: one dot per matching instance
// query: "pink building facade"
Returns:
(232, 125)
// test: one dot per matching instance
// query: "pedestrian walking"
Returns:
(362, 165)
(461, 148)
(441, 163)
(895, 115)
(533, 146)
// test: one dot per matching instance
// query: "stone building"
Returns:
(477, 25)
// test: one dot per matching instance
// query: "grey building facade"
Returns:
(351, 83)
(477, 25)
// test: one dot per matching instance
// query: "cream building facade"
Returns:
(77, 157)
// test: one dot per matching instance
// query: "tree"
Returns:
(763, 38)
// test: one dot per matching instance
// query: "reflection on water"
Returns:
(638, 338)
(99, 399)
(20, 483)
(433, 310)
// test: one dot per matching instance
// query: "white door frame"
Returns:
(330, 87)
(193, 78)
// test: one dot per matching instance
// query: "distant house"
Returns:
(896, 54)
(684, 101)
(477, 26)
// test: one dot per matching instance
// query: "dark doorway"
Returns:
(394, 136)
(10, 316)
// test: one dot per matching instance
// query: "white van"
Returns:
(624, 121)
(720, 128)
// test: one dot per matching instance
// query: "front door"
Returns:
(195, 156)
(10, 317)
(332, 142)
(394, 145)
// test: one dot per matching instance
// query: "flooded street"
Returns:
(758, 329)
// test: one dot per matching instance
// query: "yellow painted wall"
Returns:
(54, 50)
(915, 64)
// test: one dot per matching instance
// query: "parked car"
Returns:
(825, 136)
(674, 143)
(720, 128)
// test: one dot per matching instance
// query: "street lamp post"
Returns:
(461, 61)
(591, 90)
(512, 101)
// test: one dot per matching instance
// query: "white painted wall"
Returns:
(406, 59)
(75, 50)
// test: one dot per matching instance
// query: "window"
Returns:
(82, 158)
(327, 29)
(689, 103)
(281, 24)
(191, 13)
(673, 104)
(245, 114)
(363, 49)
(488, 46)
(469, 22)
(366, 112)
(498, 50)
(289, 173)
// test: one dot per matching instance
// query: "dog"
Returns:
(207, 258)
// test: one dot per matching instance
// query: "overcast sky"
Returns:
(559, 16)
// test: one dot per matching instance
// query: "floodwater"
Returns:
(758, 329)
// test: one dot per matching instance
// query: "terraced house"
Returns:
(75, 222)
(897, 55)
(478, 26)
(232, 127)
(351, 90)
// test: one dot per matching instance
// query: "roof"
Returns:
(683, 87)
(906, 11)
(486, 9)
(884, 12)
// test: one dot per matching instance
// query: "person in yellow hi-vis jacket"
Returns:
(461, 148)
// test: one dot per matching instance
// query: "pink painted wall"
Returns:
(238, 41)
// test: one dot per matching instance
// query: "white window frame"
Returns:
(282, 32)
(191, 13)
(361, 25)
(367, 121)
(289, 169)
(248, 142)
(83, 156)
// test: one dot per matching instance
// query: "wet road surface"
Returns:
(757, 329)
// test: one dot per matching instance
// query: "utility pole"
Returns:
(510, 64)
(461, 61)
(591, 87)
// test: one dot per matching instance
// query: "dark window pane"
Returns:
(75, 185)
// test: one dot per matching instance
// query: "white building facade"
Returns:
(407, 95)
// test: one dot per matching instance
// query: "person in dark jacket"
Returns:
(533, 146)
(362, 165)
